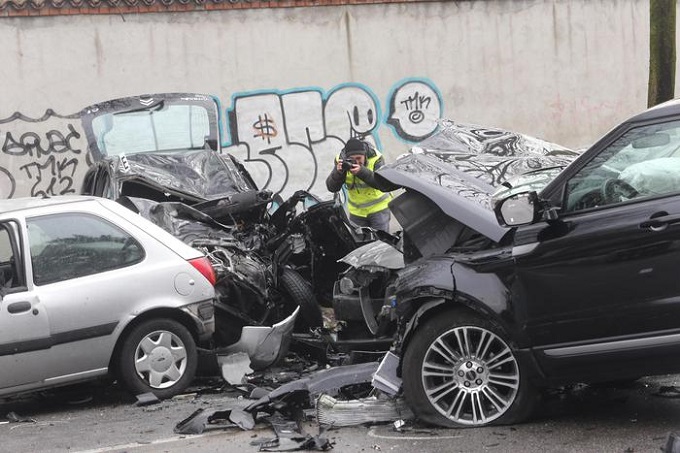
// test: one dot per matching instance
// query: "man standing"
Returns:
(354, 169)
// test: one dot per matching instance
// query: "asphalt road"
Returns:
(98, 418)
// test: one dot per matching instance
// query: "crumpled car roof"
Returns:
(460, 167)
(168, 141)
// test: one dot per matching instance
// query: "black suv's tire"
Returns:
(459, 370)
(158, 356)
(300, 293)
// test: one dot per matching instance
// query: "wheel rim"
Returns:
(161, 359)
(470, 375)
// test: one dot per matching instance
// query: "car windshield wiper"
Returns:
(151, 108)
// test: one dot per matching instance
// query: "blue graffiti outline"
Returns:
(225, 123)
(244, 94)
(389, 103)
(374, 98)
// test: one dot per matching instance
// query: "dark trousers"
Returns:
(378, 220)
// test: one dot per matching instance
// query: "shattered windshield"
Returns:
(165, 123)
(160, 127)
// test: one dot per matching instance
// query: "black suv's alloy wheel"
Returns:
(460, 371)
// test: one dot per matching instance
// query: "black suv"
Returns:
(561, 275)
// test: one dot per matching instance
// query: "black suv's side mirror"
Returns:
(519, 209)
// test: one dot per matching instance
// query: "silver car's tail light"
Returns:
(204, 266)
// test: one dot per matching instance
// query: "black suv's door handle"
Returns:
(660, 223)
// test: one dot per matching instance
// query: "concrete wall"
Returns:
(295, 82)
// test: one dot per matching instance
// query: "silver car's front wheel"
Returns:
(158, 356)
(458, 371)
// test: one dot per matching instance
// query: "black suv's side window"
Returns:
(644, 162)
(65, 246)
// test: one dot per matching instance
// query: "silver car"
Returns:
(89, 288)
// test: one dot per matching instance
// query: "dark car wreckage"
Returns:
(557, 276)
(443, 179)
(160, 156)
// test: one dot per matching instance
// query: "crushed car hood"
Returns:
(461, 166)
(202, 175)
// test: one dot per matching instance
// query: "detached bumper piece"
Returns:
(336, 413)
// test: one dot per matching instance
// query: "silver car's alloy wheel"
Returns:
(470, 375)
(160, 359)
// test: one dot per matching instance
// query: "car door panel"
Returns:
(602, 275)
(24, 334)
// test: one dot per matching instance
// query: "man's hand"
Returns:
(355, 169)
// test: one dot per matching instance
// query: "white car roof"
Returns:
(17, 204)
(7, 206)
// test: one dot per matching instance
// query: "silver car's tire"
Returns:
(158, 356)
(460, 371)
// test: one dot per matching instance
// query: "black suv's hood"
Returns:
(461, 166)
(456, 193)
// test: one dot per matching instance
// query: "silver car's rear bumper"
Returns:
(264, 345)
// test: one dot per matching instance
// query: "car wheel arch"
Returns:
(432, 307)
(159, 313)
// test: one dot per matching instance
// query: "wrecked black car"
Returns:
(558, 276)
(160, 155)
(364, 300)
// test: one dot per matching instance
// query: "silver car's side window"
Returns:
(644, 162)
(66, 246)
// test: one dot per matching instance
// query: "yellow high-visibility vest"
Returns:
(363, 199)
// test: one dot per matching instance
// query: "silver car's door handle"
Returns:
(18, 307)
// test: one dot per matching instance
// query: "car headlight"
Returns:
(346, 285)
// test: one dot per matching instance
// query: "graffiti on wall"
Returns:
(43, 156)
(415, 108)
(286, 139)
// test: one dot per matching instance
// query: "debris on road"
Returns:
(234, 367)
(337, 413)
(290, 436)
(335, 397)
(145, 399)
(13, 417)
(668, 391)
(672, 444)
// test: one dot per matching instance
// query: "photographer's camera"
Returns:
(347, 164)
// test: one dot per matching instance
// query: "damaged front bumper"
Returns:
(264, 345)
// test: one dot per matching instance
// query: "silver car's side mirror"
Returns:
(519, 209)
